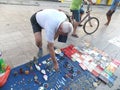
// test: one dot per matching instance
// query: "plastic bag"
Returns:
(4, 72)
(2, 66)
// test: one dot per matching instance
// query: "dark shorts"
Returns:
(81, 11)
(35, 26)
(110, 13)
(76, 14)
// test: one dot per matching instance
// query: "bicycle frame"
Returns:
(87, 15)
(88, 25)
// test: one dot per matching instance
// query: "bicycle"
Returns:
(90, 25)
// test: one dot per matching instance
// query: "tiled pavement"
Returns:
(17, 40)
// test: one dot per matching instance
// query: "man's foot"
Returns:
(75, 35)
(40, 52)
(106, 24)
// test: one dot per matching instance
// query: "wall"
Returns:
(104, 2)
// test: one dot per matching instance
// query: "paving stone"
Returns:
(17, 39)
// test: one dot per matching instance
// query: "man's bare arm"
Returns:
(52, 54)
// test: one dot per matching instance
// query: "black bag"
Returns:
(62, 38)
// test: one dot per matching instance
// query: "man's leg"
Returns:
(37, 34)
(38, 40)
(75, 25)
(76, 17)
(108, 20)
(109, 15)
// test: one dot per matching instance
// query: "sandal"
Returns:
(80, 25)
(75, 35)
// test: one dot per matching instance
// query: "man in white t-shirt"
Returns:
(54, 23)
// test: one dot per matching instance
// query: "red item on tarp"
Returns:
(4, 77)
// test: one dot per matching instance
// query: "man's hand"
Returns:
(56, 67)
(52, 54)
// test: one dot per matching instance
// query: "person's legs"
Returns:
(108, 20)
(37, 34)
(38, 40)
(76, 17)
(109, 15)
(75, 24)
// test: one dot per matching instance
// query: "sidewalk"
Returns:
(17, 40)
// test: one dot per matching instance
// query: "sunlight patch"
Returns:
(115, 41)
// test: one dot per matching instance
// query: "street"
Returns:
(17, 40)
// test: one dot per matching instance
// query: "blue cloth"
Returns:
(69, 76)
(114, 4)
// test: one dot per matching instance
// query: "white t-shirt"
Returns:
(49, 20)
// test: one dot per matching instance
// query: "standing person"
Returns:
(54, 23)
(77, 12)
(75, 9)
(111, 11)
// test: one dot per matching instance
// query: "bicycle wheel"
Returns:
(91, 25)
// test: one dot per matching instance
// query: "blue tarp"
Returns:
(69, 77)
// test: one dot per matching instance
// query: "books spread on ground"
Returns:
(96, 61)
